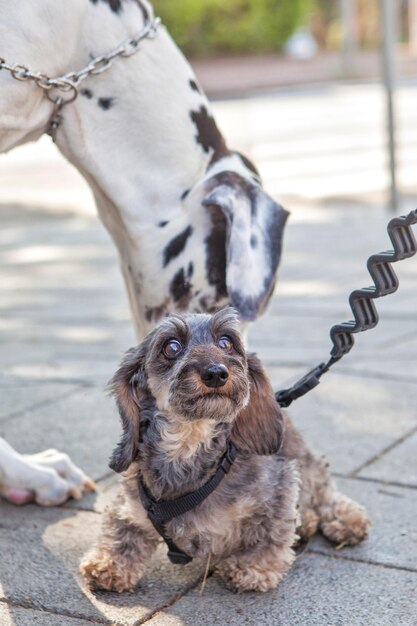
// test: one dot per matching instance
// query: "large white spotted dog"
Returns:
(192, 225)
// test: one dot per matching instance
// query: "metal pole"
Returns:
(348, 10)
(412, 24)
(388, 29)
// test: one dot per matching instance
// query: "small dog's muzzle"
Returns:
(215, 375)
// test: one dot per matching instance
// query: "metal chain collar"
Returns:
(64, 89)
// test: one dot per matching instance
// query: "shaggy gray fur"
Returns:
(275, 492)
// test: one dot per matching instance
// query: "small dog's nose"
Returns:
(215, 375)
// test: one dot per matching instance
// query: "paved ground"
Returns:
(64, 322)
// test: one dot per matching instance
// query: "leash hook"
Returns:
(56, 118)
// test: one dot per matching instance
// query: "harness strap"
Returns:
(361, 303)
(160, 512)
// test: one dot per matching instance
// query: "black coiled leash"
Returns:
(362, 304)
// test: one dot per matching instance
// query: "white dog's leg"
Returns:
(48, 478)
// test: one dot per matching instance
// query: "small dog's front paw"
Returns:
(347, 524)
(108, 572)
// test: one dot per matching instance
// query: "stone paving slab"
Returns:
(399, 465)
(11, 615)
(392, 539)
(350, 419)
(43, 572)
(13, 401)
(106, 492)
(318, 591)
(89, 368)
(85, 425)
(390, 348)
(394, 361)
(30, 308)
(99, 332)
(65, 341)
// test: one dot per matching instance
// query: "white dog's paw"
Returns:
(49, 478)
(61, 463)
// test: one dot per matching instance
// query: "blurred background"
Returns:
(320, 94)
(302, 86)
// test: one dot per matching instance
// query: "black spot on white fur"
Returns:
(194, 86)
(163, 224)
(177, 245)
(216, 252)
(114, 5)
(154, 314)
(180, 289)
(87, 93)
(105, 103)
(209, 136)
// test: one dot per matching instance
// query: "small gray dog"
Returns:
(185, 395)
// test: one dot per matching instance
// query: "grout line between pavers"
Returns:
(171, 602)
(382, 453)
(377, 481)
(14, 382)
(347, 371)
(34, 607)
(320, 313)
(75, 509)
(40, 405)
(107, 475)
(341, 557)
(66, 320)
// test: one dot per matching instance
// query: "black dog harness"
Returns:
(160, 512)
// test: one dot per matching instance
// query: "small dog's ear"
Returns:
(128, 385)
(259, 427)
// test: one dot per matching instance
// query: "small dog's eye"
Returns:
(172, 349)
(225, 344)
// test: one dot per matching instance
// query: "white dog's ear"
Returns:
(129, 386)
(254, 234)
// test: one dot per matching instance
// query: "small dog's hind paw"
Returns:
(346, 522)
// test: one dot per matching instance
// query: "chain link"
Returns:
(69, 82)
(64, 89)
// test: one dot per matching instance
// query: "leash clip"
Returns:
(56, 118)
(303, 386)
